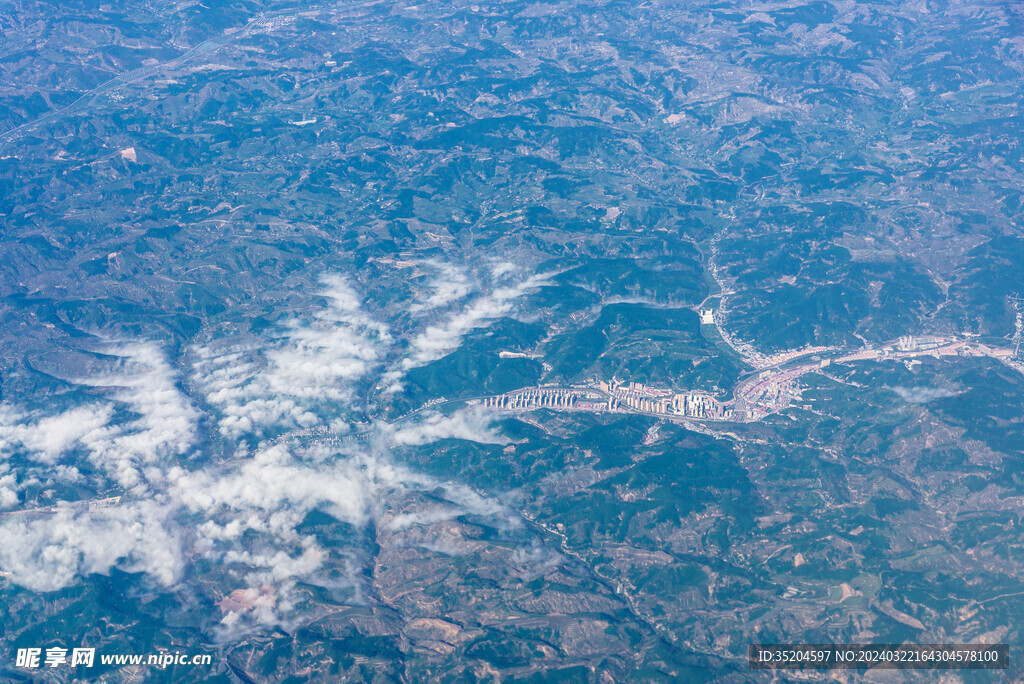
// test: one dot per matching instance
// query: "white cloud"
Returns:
(922, 395)
(46, 439)
(255, 606)
(306, 376)
(8, 488)
(473, 424)
(270, 495)
(44, 554)
(341, 344)
(166, 423)
(274, 481)
(501, 268)
(435, 515)
(163, 422)
(534, 560)
(267, 496)
(472, 502)
(49, 552)
(449, 285)
(315, 361)
(8, 495)
(440, 339)
(280, 566)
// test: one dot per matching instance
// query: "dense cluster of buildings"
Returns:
(769, 391)
(616, 396)
(697, 405)
(537, 398)
(639, 397)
